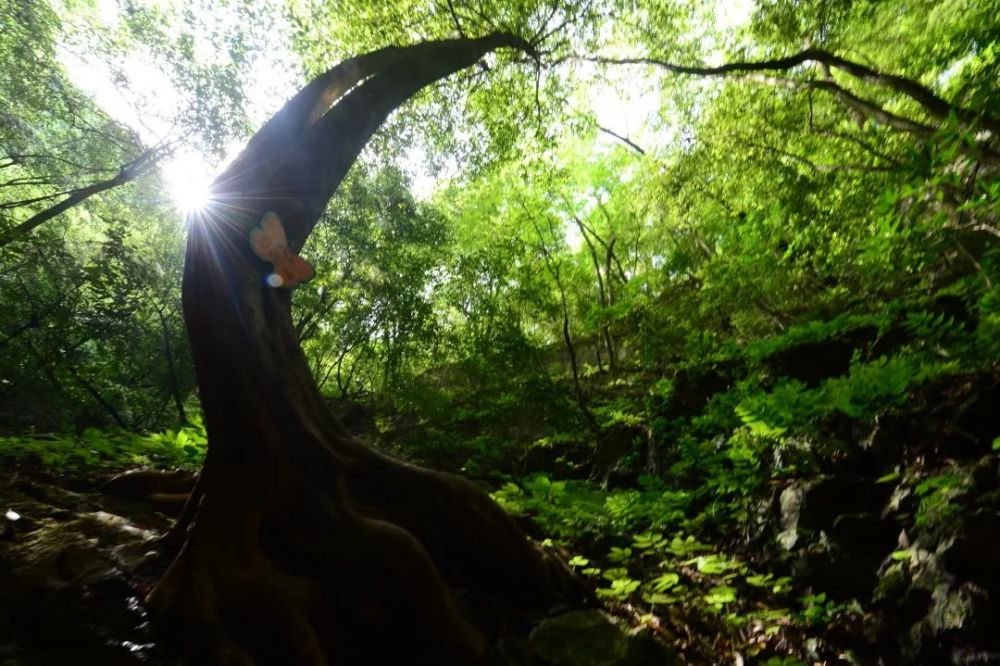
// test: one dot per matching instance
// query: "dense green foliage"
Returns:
(94, 449)
(636, 346)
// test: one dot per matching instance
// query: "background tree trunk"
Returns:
(308, 546)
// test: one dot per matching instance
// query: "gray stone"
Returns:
(593, 638)
(892, 585)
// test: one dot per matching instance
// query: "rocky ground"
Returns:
(75, 564)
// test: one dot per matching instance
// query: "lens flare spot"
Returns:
(188, 178)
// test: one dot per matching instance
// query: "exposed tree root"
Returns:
(307, 576)
(474, 543)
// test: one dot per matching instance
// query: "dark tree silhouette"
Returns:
(301, 544)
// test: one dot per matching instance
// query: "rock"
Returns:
(580, 638)
(985, 475)
(68, 594)
(974, 553)
(812, 362)
(959, 628)
(615, 443)
(592, 638)
(694, 387)
(942, 602)
(892, 585)
(814, 504)
(864, 532)
(948, 418)
(977, 414)
(855, 546)
(645, 649)
(760, 517)
(834, 535)
(901, 501)
(889, 438)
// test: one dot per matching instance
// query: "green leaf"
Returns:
(648, 541)
(620, 588)
(721, 595)
(620, 554)
(711, 565)
(658, 598)
(615, 574)
(664, 582)
(759, 580)
(888, 478)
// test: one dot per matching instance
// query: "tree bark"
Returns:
(554, 270)
(307, 546)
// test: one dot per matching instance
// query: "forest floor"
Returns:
(844, 565)
(76, 562)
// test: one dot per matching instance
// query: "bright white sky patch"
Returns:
(107, 12)
(574, 239)
(152, 99)
(730, 14)
(626, 107)
(630, 104)
(422, 182)
(151, 105)
(948, 74)
(188, 179)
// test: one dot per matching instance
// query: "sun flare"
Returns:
(188, 181)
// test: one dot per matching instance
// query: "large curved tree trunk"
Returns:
(307, 546)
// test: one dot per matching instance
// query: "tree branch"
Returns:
(454, 18)
(624, 139)
(127, 173)
(298, 159)
(932, 103)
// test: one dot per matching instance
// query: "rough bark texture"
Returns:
(307, 546)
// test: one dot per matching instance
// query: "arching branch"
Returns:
(303, 153)
(930, 101)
